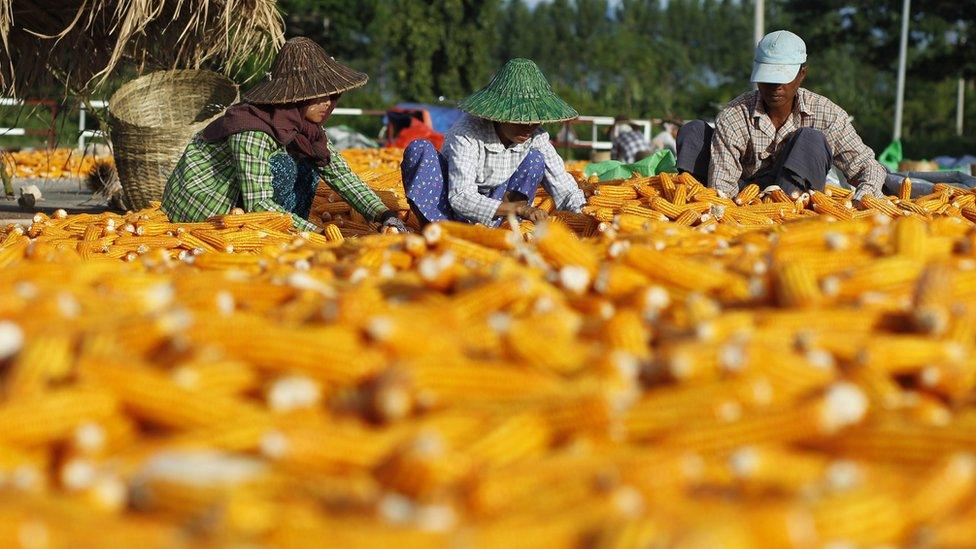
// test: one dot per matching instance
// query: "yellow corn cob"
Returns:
(842, 405)
(221, 261)
(478, 234)
(778, 195)
(687, 218)
(777, 467)
(519, 437)
(625, 331)
(561, 354)
(909, 237)
(933, 299)
(647, 191)
(557, 243)
(102, 437)
(13, 248)
(905, 191)
(747, 194)
(224, 377)
(642, 532)
(43, 359)
(545, 203)
(153, 397)
(861, 517)
(667, 185)
(823, 204)
(796, 286)
(52, 415)
(234, 221)
(903, 354)
(838, 192)
(582, 224)
(913, 208)
(676, 271)
(618, 280)
(663, 205)
(643, 212)
(890, 273)
(601, 201)
(680, 195)
(469, 251)
(746, 217)
(963, 201)
(616, 191)
(882, 205)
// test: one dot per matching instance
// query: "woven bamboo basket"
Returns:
(153, 117)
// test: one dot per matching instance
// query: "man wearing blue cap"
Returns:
(781, 135)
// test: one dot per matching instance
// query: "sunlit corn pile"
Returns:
(380, 169)
(51, 163)
(694, 371)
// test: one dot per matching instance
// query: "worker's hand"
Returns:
(394, 223)
(534, 215)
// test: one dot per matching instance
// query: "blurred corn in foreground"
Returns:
(671, 368)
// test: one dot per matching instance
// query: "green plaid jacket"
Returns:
(212, 178)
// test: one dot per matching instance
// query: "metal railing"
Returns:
(50, 132)
(56, 108)
(595, 123)
(84, 133)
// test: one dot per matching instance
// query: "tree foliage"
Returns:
(648, 58)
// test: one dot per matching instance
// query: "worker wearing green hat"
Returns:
(495, 156)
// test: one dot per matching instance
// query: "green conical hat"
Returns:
(518, 93)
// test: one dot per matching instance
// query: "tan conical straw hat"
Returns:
(302, 70)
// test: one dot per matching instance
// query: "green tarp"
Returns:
(661, 161)
(891, 156)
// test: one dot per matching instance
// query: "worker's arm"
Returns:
(351, 188)
(854, 158)
(464, 155)
(558, 182)
(252, 152)
(725, 168)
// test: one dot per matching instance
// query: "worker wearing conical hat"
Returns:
(495, 156)
(268, 152)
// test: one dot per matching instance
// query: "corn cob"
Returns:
(842, 405)
(479, 234)
(53, 415)
(153, 397)
(43, 359)
(796, 286)
(747, 194)
(559, 245)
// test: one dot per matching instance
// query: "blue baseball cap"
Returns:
(778, 58)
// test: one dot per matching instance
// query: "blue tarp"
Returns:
(442, 117)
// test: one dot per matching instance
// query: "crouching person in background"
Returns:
(779, 135)
(495, 157)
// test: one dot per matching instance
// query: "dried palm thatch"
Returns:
(78, 43)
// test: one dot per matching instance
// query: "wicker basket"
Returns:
(152, 118)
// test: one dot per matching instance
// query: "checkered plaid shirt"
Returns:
(478, 162)
(212, 178)
(746, 141)
(627, 145)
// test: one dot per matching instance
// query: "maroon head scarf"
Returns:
(284, 123)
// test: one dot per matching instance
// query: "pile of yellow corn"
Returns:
(672, 368)
(52, 163)
(363, 161)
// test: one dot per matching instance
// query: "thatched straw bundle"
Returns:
(78, 43)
